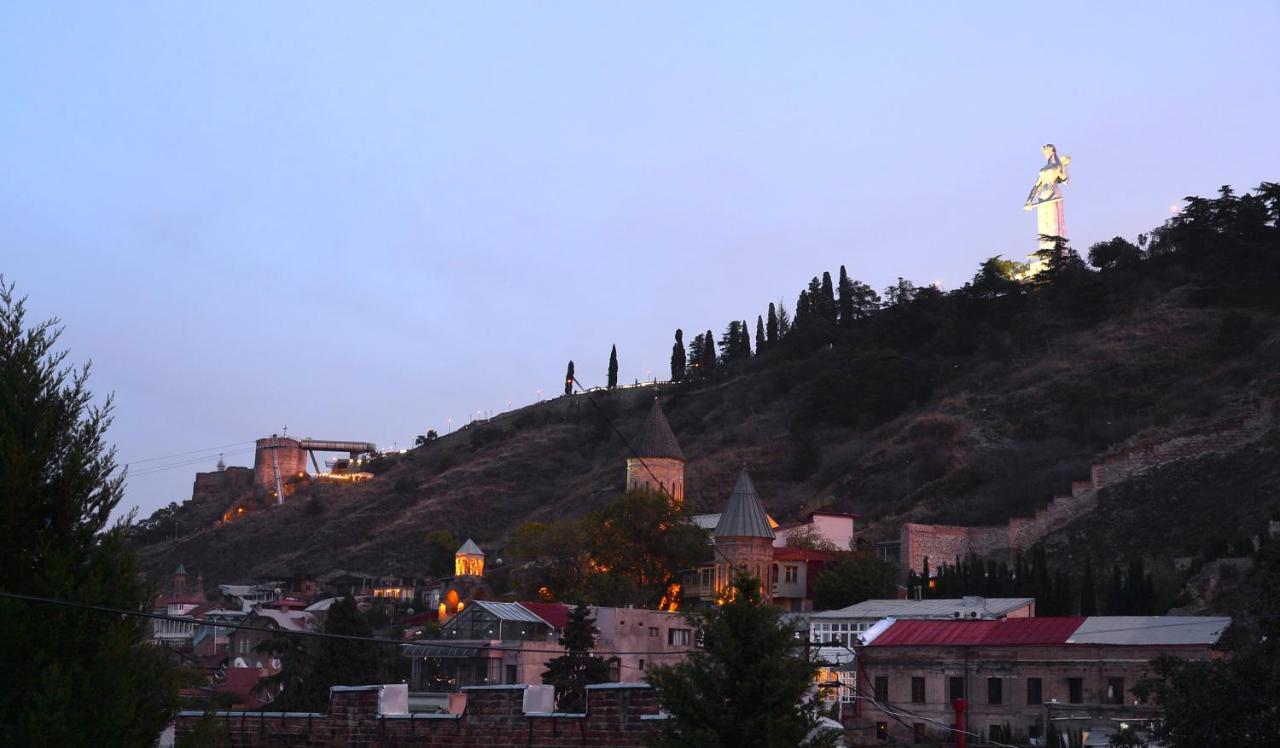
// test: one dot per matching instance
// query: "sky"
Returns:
(366, 220)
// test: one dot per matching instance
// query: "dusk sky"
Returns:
(361, 220)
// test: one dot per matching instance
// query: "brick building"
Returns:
(1019, 673)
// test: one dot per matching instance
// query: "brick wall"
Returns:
(942, 543)
(616, 715)
(290, 458)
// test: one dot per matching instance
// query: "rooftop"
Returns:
(1053, 631)
(469, 548)
(984, 607)
(1150, 630)
(656, 439)
(744, 515)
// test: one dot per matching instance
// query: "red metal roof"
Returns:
(1009, 632)
(553, 613)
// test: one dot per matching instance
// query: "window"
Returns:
(995, 733)
(955, 688)
(917, 690)
(653, 631)
(705, 577)
(848, 686)
(995, 691)
(837, 633)
(792, 573)
(917, 731)
(1035, 694)
(678, 637)
(1075, 690)
(642, 664)
(511, 674)
(773, 574)
(1115, 690)
(882, 688)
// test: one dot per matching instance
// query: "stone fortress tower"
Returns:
(659, 464)
(743, 539)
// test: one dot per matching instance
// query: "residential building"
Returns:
(1017, 674)
(493, 643)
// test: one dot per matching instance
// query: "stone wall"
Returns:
(290, 458)
(658, 474)
(943, 543)
(232, 481)
(616, 715)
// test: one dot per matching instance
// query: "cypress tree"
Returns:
(784, 321)
(677, 357)
(760, 339)
(744, 340)
(771, 327)
(568, 379)
(1088, 595)
(827, 301)
(576, 669)
(613, 367)
(846, 298)
(709, 354)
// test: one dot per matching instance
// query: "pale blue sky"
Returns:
(363, 219)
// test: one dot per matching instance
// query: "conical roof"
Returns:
(744, 515)
(181, 571)
(656, 439)
(469, 548)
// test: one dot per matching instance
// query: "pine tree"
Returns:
(864, 300)
(72, 677)
(846, 298)
(576, 669)
(771, 326)
(613, 367)
(677, 357)
(731, 342)
(746, 686)
(695, 357)
(760, 335)
(568, 379)
(311, 666)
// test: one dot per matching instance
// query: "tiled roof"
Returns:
(744, 515)
(1011, 631)
(656, 439)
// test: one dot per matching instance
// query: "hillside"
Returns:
(966, 407)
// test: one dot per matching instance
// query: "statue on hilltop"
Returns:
(1046, 199)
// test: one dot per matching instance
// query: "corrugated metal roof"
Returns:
(508, 611)
(1150, 630)
(1009, 632)
(555, 614)
(985, 607)
(440, 649)
(744, 515)
(656, 439)
(469, 548)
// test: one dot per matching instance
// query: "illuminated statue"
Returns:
(1046, 198)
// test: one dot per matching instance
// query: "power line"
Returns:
(194, 451)
(151, 469)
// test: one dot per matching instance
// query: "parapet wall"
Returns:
(944, 543)
(618, 714)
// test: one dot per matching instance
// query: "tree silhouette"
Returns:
(760, 339)
(568, 379)
(576, 669)
(677, 357)
(771, 326)
(613, 367)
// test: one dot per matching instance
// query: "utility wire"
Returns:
(194, 451)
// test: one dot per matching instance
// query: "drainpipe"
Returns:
(959, 705)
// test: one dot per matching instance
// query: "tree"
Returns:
(72, 677)
(1114, 253)
(760, 339)
(311, 666)
(427, 438)
(845, 298)
(865, 301)
(568, 379)
(784, 320)
(709, 355)
(613, 367)
(1088, 593)
(827, 300)
(771, 326)
(860, 576)
(677, 357)
(696, 357)
(441, 546)
(747, 686)
(901, 293)
(576, 669)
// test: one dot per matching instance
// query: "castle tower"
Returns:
(659, 462)
(468, 561)
(275, 460)
(743, 539)
(180, 580)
